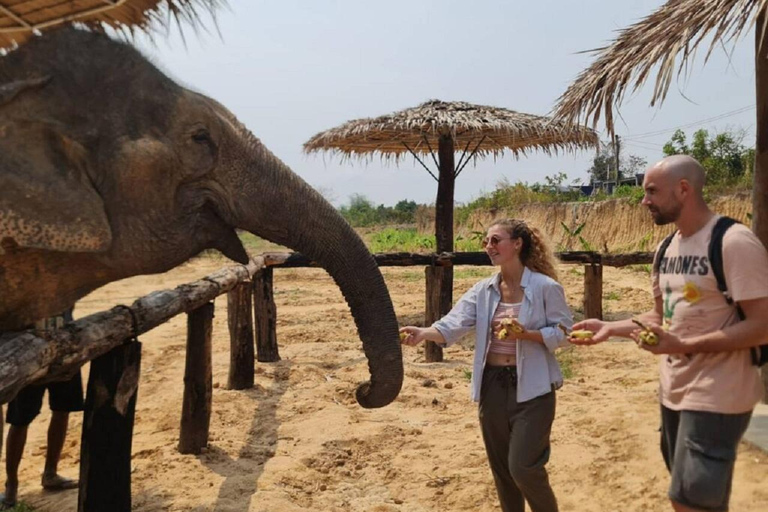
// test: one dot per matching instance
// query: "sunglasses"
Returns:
(494, 241)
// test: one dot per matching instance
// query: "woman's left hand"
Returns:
(512, 329)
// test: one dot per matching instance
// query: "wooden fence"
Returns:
(439, 298)
(109, 340)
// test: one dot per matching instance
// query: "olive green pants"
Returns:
(516, 437)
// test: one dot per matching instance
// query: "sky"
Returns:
(293, 68)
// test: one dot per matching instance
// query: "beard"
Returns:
(664, 217)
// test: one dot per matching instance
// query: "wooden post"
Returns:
(437, 304)
(198, 385)
(240, 321)
(760, 188)
(105, 450)
(265, 315)
(593, 291)
(439, 283)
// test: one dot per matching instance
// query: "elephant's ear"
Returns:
(47, 200)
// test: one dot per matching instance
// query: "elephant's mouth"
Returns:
(225, 238)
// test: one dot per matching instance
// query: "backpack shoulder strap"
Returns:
(715, 254)
(660, 252)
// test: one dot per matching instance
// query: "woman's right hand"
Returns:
(413, 335)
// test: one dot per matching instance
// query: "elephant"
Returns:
(110, 169)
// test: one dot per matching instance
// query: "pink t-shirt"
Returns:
(723, 382)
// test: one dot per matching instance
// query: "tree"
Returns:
(405, 210)
(604, 164)
(360, 212)
(724, 157)
(634, 165)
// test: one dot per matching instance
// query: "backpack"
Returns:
(715, 254)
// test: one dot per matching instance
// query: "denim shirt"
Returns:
(543, 309)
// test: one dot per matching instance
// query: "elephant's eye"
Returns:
(202, 136)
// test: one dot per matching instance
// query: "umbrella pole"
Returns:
(760, 189)
(439, 280)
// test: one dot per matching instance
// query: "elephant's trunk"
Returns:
(287, 211)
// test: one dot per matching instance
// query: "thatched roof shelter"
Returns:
(20, 19)
(420, 128)
(439, 128)
(666, 39)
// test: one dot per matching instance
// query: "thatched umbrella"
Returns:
(446, 127)
(20, 19)
(677, 29)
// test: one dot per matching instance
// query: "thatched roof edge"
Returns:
(418, 129)
(677, 27)
(125, 16)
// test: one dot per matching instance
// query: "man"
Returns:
(63, 398)
(708, 383)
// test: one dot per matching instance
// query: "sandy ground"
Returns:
(298, 441)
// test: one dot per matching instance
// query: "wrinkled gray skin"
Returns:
(108, 169)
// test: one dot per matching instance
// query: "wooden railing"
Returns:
(593, 277)
(109, 340)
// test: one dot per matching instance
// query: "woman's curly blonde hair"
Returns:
(535, 253)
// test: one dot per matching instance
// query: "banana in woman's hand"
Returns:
(509, 325)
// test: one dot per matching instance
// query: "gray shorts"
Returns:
(699, 449)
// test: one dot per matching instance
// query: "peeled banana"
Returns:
(582, 334)
(403, 335)
(646, 335)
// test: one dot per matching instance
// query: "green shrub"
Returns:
(401, 240)
(630, 191)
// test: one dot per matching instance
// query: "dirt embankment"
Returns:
(619, 225)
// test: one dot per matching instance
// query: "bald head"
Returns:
(674, 191)
(676, 168)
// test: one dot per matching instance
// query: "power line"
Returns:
(643, 145)
(688, 125)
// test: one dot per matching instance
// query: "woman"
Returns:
(515, 374)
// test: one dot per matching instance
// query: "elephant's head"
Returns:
(110, 169)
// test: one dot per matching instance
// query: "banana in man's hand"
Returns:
(646, 336)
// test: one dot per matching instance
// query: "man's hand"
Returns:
(598, 327)
(668, 342)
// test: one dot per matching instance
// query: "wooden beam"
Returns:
(406, 259)
(593, 291)
(240, 322)
(15, 17)
(760, 185)
(265, 316)
(437, 305)
(107, 437)
(198, 382)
